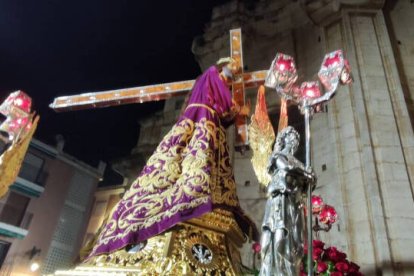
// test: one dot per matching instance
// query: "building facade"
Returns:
(44, 215)
(104, 200)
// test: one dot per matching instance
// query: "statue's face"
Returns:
(230, 69)
(234, 67)
(291, 142)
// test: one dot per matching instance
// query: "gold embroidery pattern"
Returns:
(190, 167)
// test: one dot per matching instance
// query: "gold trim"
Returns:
(175, 176)
(211, 110)
(170, 253)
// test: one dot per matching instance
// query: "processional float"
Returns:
(17, 126)
(162, 253)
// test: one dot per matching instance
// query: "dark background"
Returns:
(55, 48)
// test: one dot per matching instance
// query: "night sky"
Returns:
(55, 48)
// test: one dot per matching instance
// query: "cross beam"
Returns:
(167, 90)
(139, 94)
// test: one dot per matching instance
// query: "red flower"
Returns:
(353, 267)
(317, 253)
(256, 247)
(321, 267)
(335, 255)
(342, 266)
(336, 273)
(318, 244)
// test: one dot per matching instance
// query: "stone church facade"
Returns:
(362, 145)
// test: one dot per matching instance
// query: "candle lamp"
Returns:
(328, 215)
(282, 74)
(17, 104)
(317, 204)
(310, 90)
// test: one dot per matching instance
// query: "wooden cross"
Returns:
(167, 90)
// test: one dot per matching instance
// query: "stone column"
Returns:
(368, 142)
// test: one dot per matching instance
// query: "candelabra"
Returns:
(309, 96)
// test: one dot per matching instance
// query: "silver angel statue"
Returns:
(283, 228)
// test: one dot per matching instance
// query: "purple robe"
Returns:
(188, 175)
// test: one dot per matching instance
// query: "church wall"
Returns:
(373, 140)
(401, 20)
(342, 183)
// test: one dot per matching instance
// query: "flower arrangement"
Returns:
(330, 261)
(327, 260)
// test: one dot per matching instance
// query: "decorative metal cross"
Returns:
(167, 90)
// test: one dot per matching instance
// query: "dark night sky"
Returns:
(54, 48)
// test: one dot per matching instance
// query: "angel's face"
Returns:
(291, 143)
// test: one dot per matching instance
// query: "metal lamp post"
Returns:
(282, 76)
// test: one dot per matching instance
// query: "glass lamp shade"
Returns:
(317, 204)
(331, 68)
(310, 90)
(17, 104)
(328, 215)
(282, 73)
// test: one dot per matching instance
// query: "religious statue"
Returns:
(283, 227)
(188, 175)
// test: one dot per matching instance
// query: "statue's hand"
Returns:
(291, 165)
(235, 108)
(245, 109)
(310, 174)
(280, 188)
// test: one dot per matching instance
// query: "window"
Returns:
(4, 248)
(32, 169)
(14, 209)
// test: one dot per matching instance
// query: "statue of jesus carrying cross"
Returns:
(189, 173)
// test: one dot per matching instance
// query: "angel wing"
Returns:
(262, 136)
